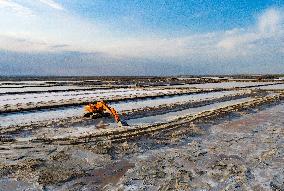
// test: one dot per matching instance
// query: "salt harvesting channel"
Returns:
(179, 134)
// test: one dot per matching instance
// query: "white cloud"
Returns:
(269, 31)
(52, 4)
(16, 8)
(254, 40)
(12, 43)
(264, 37)
(256, 48)
(270, 21)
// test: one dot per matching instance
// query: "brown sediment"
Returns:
(243, 125)
(109, 174)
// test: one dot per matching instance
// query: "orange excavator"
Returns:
(101, 109)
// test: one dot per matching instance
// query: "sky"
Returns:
(141, 37)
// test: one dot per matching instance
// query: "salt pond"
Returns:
(60, 113)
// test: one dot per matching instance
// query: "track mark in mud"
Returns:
(96, 179)
(111, 173)
(244, 125)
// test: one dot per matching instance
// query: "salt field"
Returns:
(42, 127)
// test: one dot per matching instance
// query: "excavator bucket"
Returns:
(122, 123)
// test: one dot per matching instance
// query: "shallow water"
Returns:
(21, 118)
(170, 100)
(39, 88)
(272, 87)
(86, 94)
(172, 115)
(224, 85)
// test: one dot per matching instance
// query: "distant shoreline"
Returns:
(69, 78)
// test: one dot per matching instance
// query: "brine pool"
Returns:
(78, 95)
(191, 111)
(272, 87)
(225, 85)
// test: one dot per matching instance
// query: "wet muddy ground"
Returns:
(224, 139)
(240, 152)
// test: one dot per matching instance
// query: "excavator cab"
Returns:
(101, 109)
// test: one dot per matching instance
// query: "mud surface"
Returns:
(229, 142)
(243, 153)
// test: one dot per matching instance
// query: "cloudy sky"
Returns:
(141, 37)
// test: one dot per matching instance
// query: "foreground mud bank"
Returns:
(243, 153)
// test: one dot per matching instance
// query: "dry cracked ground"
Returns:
(241, 151)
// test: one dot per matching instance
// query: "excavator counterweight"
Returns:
(99, 108)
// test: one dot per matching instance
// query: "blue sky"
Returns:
(132, 37)
(167, 16)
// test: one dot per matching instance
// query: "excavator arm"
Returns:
(100, 107)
